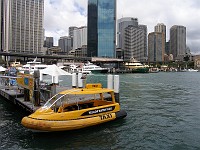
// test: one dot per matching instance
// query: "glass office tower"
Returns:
(101, 28)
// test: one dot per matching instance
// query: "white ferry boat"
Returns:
(94, 68)
(31, 66)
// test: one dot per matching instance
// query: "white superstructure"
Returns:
(31, 66)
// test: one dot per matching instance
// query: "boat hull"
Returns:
(140, 70)
(65, 125)
(99, 71)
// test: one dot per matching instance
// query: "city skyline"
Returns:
(59, 13)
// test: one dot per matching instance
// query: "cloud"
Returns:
(60, 14)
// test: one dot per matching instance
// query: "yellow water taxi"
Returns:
(76, 108)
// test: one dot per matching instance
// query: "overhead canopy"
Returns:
(54, 70)
(2, 69)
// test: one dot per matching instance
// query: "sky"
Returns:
(59, 15)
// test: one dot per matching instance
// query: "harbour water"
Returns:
(163, 113)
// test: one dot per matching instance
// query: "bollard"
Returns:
(74, 80)
(110, 81)
(116, 88)
(80, 81)
(55, 80)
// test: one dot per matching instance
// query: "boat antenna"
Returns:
(35, 59)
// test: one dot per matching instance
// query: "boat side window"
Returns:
(108, 96)
(94, 96)
(101, 96)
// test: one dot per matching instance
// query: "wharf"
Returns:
(15, 95)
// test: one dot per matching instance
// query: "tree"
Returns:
(186, 58)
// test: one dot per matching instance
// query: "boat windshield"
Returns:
(57, 99)
(52, 101)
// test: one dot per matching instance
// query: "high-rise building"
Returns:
(160, 27)
(23, 26)
(80, 41)
(80, 37)
(121, 25)
(71, 30)
(178, 41)
(156, 49)
(65, 43)
(48, 42)
(132, 39)
(167, 48)
(101, 28)
(1, 23)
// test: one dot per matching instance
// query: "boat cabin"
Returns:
(93, 95)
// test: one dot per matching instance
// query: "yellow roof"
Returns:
(86, 91)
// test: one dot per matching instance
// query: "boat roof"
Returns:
(85, 91)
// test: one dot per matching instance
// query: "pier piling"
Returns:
(110, 81)
(116, 87)
(74, 80)
(36, 93)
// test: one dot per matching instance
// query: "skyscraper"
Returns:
(132, 39)
(156, 47)
(160, 27)
(71, 30)
(48, 42)
(80, 38)
(178, 41)
(121, 25)
(1, 23)
(23, 26)
(65, 43)
(101, 28)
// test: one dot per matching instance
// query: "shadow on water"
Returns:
(102, 136)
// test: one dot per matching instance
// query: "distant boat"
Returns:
(73, 68)
(136, 67)
(31, 66)
(189, 70)
(154, 70)
(16, 64)
(94, 68)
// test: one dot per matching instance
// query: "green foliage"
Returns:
(186, 58)
(180, 64)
